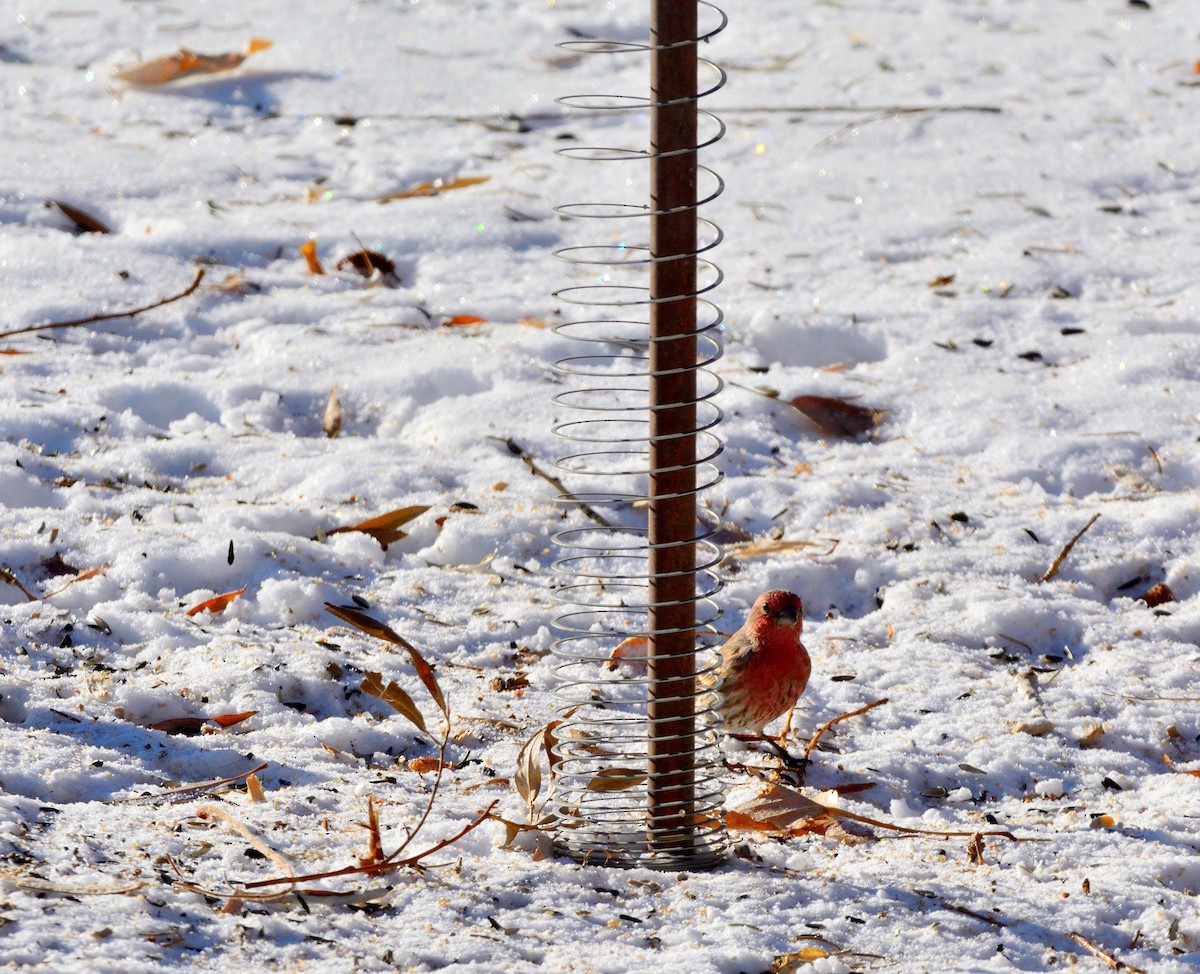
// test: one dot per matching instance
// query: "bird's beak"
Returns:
(788, 616)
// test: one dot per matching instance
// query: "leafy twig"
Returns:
(90, 319)
(1062, 555)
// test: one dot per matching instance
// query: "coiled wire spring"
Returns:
(602, 768)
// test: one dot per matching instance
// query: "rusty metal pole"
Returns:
(672, 524)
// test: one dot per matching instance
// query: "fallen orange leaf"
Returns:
(185, 62)
(218, 603)
(194, 725)
(309, 250)
(386, 528)
(434, 188)
(464, 320)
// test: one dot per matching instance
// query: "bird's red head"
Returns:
(783, 608)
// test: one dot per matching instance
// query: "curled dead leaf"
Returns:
(371, 264)
(308, 250)
(84, 222)
(616, 779)
(838, 417)
(373, 627)
(217, 604)
(190, 726)
(331, 421)
(630, 654)
(386, 528)
(1157, 595)
(184, 63)
(792, 962)
(1091, 736)
(395, 696)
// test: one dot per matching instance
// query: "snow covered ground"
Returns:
(1011, 273)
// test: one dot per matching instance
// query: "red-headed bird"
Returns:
(764, 665)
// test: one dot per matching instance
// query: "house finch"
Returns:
(764, 666)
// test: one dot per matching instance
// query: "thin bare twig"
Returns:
(90, 319)
(516, 449)
(1103, 955)
(1062, 555)
(11, 579)
(858, 109)
(812, 743)
(883, 113)
(198, 786)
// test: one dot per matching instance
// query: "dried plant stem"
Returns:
(812, 743)
(11, 579)
(214, 812)
(1103, 955)
(199, 786)
(517, 450)
(389, 864)
(90, 319)
(1062, 555)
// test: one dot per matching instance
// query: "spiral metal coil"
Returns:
(603, 772)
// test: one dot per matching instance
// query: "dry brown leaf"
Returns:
(791, 963)
(1157, 595)
(368, 263)
(509, 684)
(395, 696)
(375, 854)
(434, 188)
(766, 548)
(616, 779)
(386, 528)
(373, 627)
(776, 809)
(942, 281)
(838, 417)
(308, 250)
(784, 809)
(630, 653)
(189, 726)
(84, 221)
(82, 576)
(235, 283)
(424, 765)
(331, 421)
(218, 603)
(527, 781)
(185, 63)
(1091, 736)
